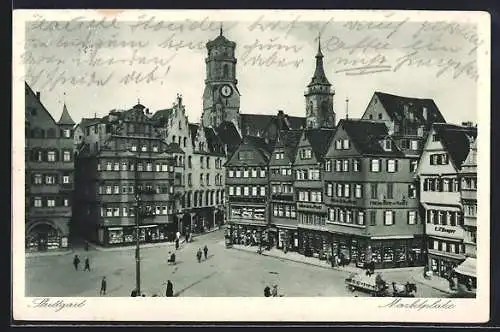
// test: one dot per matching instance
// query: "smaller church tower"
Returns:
(66, 123)
(221, 98)
(319, 97)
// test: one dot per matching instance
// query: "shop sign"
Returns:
(310, 206)
(66, 211)
(445, 230)
(343, 201)
(385, 202)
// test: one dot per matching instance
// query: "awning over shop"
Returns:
(430, 206)
(467, 267)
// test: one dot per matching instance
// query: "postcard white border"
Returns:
(253, 309)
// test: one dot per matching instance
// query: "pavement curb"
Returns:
(45, 254)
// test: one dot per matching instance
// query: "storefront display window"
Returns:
(388, 255)
(434, 265)
(376, 254)
(129, 235)
(115, 235)
(354, 250)
(401, 254)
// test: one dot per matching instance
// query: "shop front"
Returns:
(45, 237)
(466, 275)
(126, 235)
(314, 241)
(248, 234)
(384, 253)
(443, 264)
(287, 238)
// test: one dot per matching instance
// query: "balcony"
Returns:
(469, 194)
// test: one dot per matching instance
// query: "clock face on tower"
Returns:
(226, 90)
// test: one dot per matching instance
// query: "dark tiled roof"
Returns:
(29, 91)
(295, 122)
(173, 148)
(220, 40)
(456, 140)
(319, 77)
(319, 140)
(366, 136)
(261, 122)
(229, 135)
(161, 116)
(89, 122)
(193, 130)
(214, 142)
(65, 117)
(394, 105)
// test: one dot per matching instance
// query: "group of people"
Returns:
(271, 293)
(76, 263)
(199, 253)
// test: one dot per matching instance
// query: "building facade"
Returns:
(309, 193)
(49, 175)
(127, 174)
(247, 183)
(445, 150)
(468, 192)
(371, 198)
(283, 215)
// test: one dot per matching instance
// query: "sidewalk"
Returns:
(48, 253)
(405, 273)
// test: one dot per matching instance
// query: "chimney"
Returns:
(38, 95)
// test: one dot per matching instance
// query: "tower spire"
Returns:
(319, 54)
(221, 28)
(347, 108)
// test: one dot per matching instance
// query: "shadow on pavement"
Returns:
(193, 284)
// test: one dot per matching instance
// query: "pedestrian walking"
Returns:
(198, 255)
(205, 251)
(87, 265)
(76, 261)
(178, 235)
(176, 244)
(274, 292)
(267, 291)
(103, 286)
(170, 289)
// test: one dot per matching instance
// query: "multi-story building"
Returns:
(204, 155)
(283, 230)
(445, 150)
(468, 192)
(49, 175)
(247, 183)
(127, 174)
(371, 197)
(308, 187)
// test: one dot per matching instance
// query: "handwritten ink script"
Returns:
(95, 53)
(57, 305)
(419, 304)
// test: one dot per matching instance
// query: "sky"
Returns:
(97, 66)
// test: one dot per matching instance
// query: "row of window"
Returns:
(342, 144)
(129, 189)
(51, 179)
(305, 153)
(205, 179)
(445, 246)
(439, 159)
(107, 211)
(284, 211)
(309, 174)
(51, 155)
(255, 191)
(50, 133)
(253, 172)
(469, 183)
(211, 197)
(50, 202)
(345, 165)
(205, 162)
(281, 188)
(310, 196)
(280, 155)
(312, 219)
(357, 217)
(441, 185)
(258, 213)
(346, 190)
(470, 210)
(131, 166)
(447, 218)
(283, 171)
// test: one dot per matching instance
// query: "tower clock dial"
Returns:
(226, 90)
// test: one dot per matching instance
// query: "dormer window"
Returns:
(387, 145)
(155, 148)
(144, 148)
(134, 148)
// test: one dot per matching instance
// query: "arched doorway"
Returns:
(43, 236)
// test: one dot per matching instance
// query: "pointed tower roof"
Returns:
(319, 73)
(65, 117)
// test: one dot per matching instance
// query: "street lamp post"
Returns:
(137, 246)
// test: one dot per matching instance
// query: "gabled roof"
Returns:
(289, 140)
(456, 140)
(395, 105)
(320, 140)
(65, 117)
(366, 135)
(259, 143)
(85, 122)
(29, 90)
(261, 122)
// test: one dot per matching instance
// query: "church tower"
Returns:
(319, 97)
(221, 98)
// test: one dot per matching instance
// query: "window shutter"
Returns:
(393, 217)
(396, 165)
(45, 155)
(386, 165)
